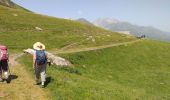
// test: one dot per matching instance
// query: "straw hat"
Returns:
(39, 46)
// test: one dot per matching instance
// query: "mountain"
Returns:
(84, 21)
(9, 3)
(116, 25)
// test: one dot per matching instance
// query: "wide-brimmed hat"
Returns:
(39, 46)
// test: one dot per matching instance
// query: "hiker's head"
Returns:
(39, 46)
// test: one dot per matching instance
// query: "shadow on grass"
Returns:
(12, 77)
(48, 80)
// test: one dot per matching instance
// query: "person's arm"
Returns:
(34, 57)
(48, 61)
(46, 55)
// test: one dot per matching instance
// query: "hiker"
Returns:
(39, 63)
(4, 63)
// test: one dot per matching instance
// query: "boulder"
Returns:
(55, 60)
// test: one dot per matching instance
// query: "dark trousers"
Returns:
(3, 65)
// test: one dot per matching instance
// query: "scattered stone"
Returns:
(15, 15)
(85, 34)
(161, 83)
(55, 60)
(90, 36)
(87, 38)
(93, 40)
(38, 28)
(84, 66)
(108, 35)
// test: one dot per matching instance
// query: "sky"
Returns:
(154, 13)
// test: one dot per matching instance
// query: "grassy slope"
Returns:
(135, 71)
(18, 32)
(129, 72)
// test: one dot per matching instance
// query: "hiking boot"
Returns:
(42, 84)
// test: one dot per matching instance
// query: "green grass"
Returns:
(18, 32)
(138, 71)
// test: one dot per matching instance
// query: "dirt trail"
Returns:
(21, 86)
(94, 48)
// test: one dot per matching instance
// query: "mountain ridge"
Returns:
(136, 30)
(84, 21)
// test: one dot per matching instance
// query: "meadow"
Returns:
(138, 71)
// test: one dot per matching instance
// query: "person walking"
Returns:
(4, 63)
(39, 63)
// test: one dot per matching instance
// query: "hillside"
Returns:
(18, 30)
(136, 30)
(9, 3)
(138, 71)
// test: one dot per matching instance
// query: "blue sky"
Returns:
(140, 12)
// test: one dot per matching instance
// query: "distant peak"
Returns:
(107, 20)
(81, 19)
(84, 21)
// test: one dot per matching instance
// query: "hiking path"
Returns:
(22, 85)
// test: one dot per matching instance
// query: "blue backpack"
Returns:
(40, 57)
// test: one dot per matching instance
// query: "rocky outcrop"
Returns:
(10, 4)
(56, 60)
(7, 3)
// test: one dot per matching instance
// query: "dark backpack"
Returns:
(40, 57)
